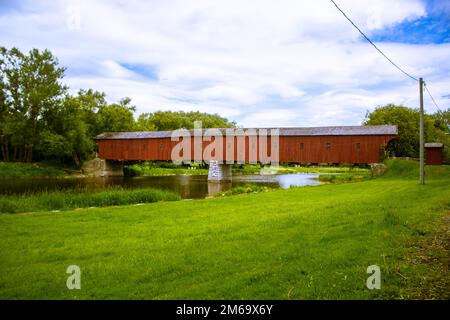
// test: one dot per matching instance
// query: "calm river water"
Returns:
(188, 186)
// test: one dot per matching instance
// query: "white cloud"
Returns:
(115, 70)
(268, 63)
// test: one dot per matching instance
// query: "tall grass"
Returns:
(16, 169)
(402, 168)
(344, 177)
(409, 169)
(247, 188)
(70, 199)
(246, 168)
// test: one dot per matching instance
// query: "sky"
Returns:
(260, 63)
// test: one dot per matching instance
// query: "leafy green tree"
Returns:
(67, 134)
(171, 120)
(442, 120)
(441, 132)
(90, 102)
(407, 121)
(116, 117)
(209, 120)
(31, 85)
(4, 108)
(144, 123)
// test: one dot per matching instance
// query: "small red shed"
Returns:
(434, 153)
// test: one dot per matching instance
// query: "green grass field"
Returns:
(300, 243)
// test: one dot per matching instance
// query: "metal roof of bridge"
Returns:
(311, 131)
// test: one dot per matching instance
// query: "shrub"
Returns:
(247, 188)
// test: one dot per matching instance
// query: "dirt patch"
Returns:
(432, 253)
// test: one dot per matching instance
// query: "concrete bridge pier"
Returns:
(113, 168)
(219, 171)
(103, 168)
(216, 187)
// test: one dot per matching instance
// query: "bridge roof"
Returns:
(311, 131)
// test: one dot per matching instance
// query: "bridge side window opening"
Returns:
(328, 146)
(358, 146)
(302, 146)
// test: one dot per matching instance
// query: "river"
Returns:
(188, 186)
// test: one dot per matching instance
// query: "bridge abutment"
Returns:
(219, 171)
(103, 168)
(113, 169)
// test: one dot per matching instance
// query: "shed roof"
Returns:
(434, 145)
(311, 131)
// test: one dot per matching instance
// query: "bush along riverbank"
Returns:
(71, 199)
(247, 188)
(345, 177)
(162, 168)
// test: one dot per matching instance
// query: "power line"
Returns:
(373, 44)
(382, 53)
(432, 99)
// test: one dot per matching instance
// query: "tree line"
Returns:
(40, 120)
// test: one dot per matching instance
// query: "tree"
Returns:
(441, 132)
(171, 120)
(30, 86)
(4, 107)
(407, 121)
(442, 120)
(116, 117)
(90, 102)
(67, 133)
(144, 123)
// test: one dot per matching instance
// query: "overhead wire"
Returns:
(373, 44)
(384, 55)
(432, 99)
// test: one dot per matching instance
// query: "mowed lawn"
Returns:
(301, 243)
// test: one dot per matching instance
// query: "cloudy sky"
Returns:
(260, 63)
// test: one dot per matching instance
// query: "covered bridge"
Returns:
(334, 145)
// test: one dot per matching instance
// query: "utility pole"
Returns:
(421, 152)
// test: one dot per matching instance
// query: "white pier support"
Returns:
(219, 172)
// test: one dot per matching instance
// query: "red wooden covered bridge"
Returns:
(333, 145)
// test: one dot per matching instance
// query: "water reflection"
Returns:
(188, 186)
(216, 187)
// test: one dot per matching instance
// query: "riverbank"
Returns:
(29, 170)
(160, 168)
(299, 243)
(168, 168)
(74, 199)
(42, 170)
